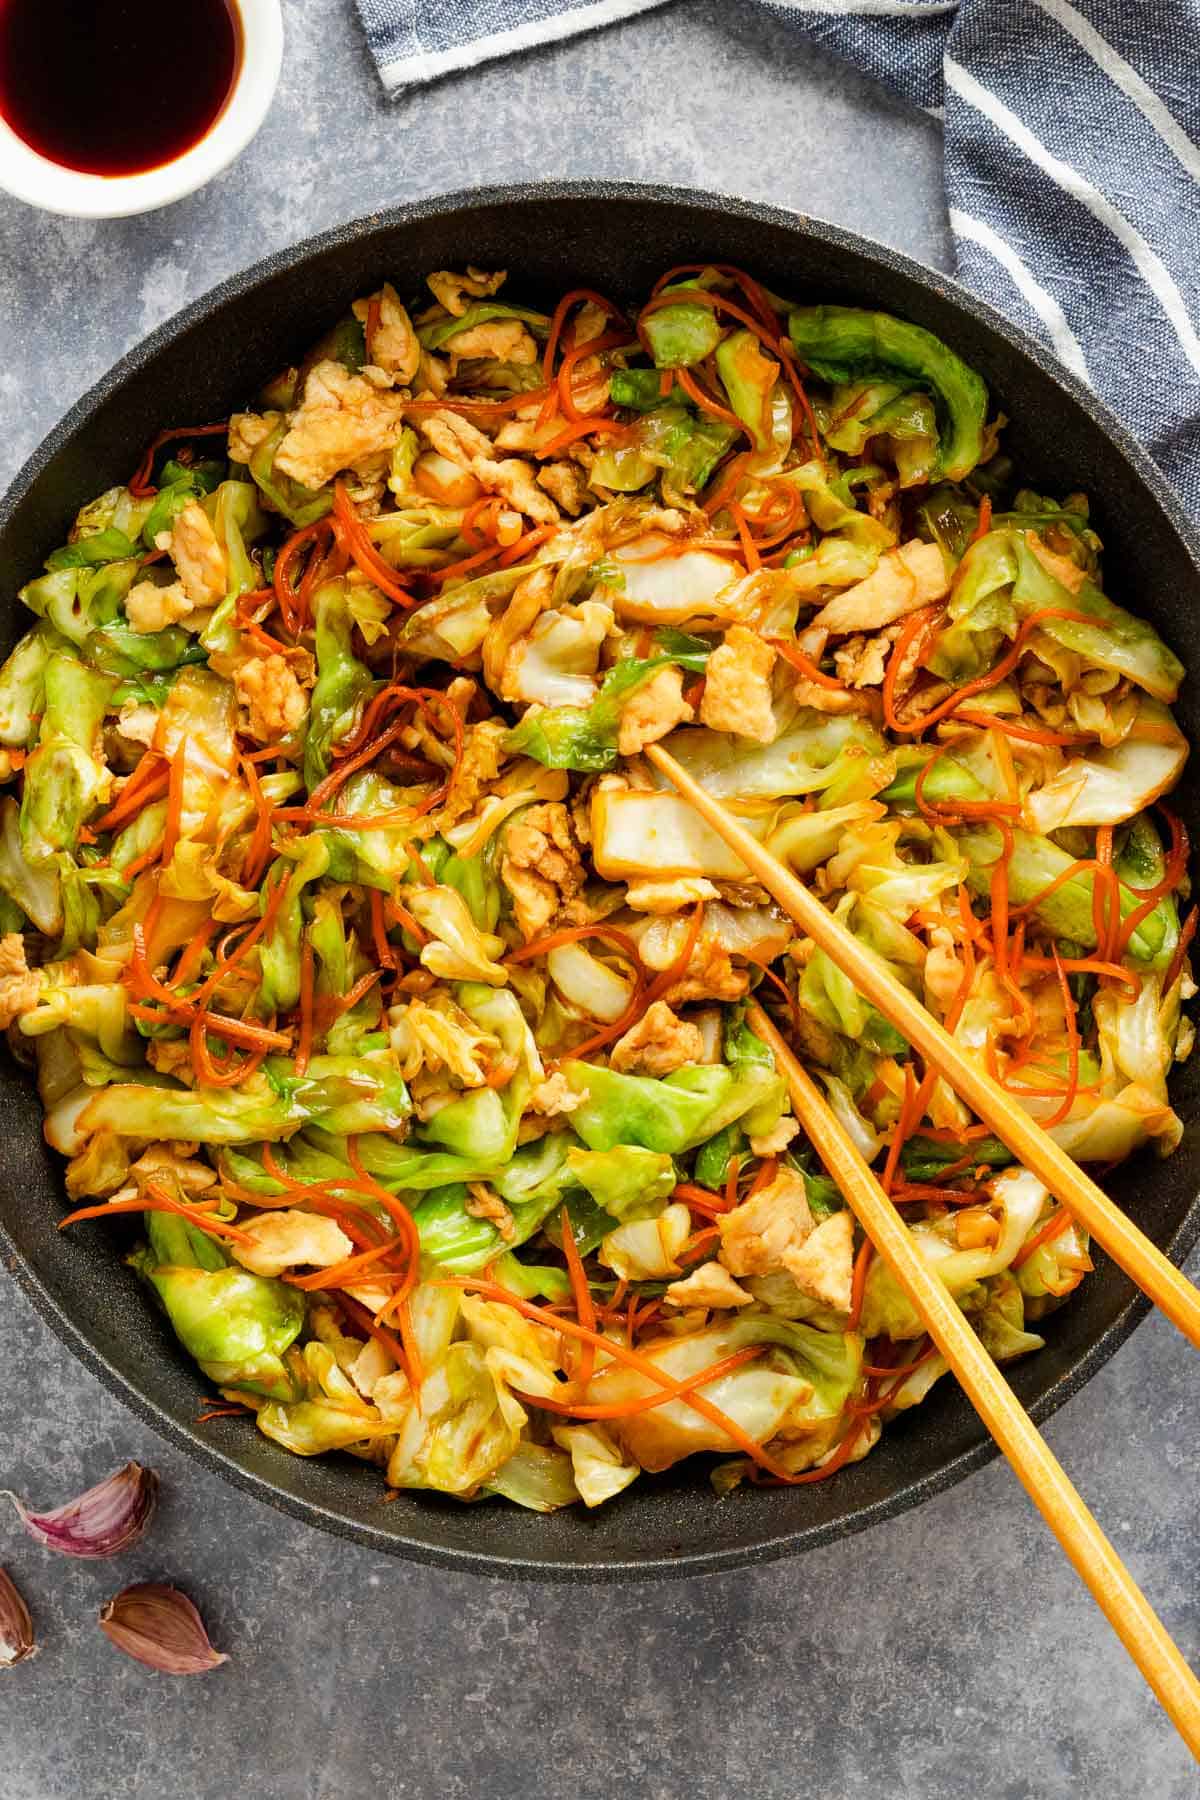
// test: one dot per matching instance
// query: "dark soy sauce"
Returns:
(115, 87)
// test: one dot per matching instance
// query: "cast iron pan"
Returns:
(618, 239)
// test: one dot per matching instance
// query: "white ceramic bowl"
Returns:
(46, 184)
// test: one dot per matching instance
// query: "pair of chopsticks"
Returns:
(1039, 1471)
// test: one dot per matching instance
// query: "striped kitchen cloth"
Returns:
(1072, 166)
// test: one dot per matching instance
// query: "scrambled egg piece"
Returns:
(737, 691)
(247, 431)
(555, 1095)
(823, 1266)
(566, 483)
(862, 661)
(483, 755)
(540, 865)
(486, 1204)
(911, 576)
(287, 1239)
(394, 346)
(658, 1043)
(193, 548)
(463, 443)
(668, 896)
(455, 292)
(710, 976)
(710, 1285)
(504, 340)
(775, 1141)
(150, 608)
(757, 1235)
(652, 710)
(19, 984)
(343, 422)
(272, 696)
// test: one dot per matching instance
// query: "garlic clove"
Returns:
(101, 1522)
(16, 1627)
(159, 1626)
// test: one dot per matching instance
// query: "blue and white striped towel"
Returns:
(1072, 160)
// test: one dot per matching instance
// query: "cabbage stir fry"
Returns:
(368, 963)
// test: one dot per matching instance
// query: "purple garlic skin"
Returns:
(16, 1627)
(103, 1521)
(159, 1626)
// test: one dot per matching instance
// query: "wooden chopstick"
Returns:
(1130, 1248)
(1037, 1468)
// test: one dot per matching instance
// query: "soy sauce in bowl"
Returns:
(116, 87)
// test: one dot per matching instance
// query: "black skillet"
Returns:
(617, 238)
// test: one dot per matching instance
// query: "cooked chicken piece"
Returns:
(756, 1235)
(19, 984)
(272, 696)
(566, 483)
(393, 345)
(199, 559)
(150, 608)
(485, 1203)
(343, 422)
(711, 1285)
(823, 1266)
(290, 1239)
(658, 1043)
(737, 691)
(775, 1141)
(555, 1095)
(652, 710)
(455, 292)
(540, 865)
(247, 431)
(913, 575)
(668, 896)
(862, 660)
(499, 340)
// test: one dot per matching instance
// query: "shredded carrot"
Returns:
(700, 1199)
(985, 520)
(792, 653)
(356, 542)
(858, 1287)
(1055, 1225)
(140, 482)
(619, 1352)
(585, 1311)
(1175, 966)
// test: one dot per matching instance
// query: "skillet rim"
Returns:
(802, 226)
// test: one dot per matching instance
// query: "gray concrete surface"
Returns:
(949, 1653)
